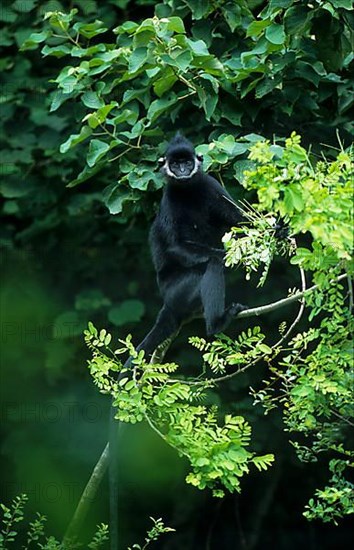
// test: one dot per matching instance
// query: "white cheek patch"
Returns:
(171, 174)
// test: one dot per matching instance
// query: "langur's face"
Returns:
(181, 166)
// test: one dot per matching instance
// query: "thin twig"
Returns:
(300, 312)
(350, 292)
(255, 311)
(342, 418)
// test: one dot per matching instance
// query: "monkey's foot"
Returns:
(236, 308)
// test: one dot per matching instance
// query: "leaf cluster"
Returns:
(216, 450)
(35, 535)
(158, 529)
(312, 380)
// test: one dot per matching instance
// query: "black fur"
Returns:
(185, 241)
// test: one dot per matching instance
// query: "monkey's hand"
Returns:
(236, 308)
(185, 257)
(218, 253)
(282, 230)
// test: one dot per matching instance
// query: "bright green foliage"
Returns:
(100, 537)
(11, 517)
(256, 245)
(217, 451)
(336, 500)
(315, 199)
(153, 534)
(223, 353)
(315, 373)
(35, 536)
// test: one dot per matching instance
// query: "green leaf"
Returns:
(253, 138)
(59, 97)
(198, 47)
(346, 4)
(297, 19)
(137, 59)
(34, 39)
(240, 167)
(293, 198)
(56, 51)
(60, 21)
(176, 24)
(24, 7)
(100, 116)
(84, 175)
(257, 27)
(74, 139)
(265, 86)
(233, 15)
(183, 60)
(97, 150)
(128, 27)
(199, 8)
(275, 34)
(262, 462)
(232, 112)
(265, 349)
(159, 106)
(68, 325)
(165, 82)
(12, 188)
(141, 177)
(89, 30)
(92, 100)
(114, 197)
(127, 116)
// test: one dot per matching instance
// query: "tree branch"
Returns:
(87, 496)
(255, 311)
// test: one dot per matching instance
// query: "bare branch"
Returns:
(87, 496)
(261, 310)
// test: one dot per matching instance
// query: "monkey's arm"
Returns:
(187, 254)
(206, 249)
(222, 206)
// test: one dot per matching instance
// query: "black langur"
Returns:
(185, 240)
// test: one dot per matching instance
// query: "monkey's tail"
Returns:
(116, 429)
(113, 480)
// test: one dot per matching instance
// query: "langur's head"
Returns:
(180, 161)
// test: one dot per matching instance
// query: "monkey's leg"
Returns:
(166, 324)
(212, 290)
(217, 317)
